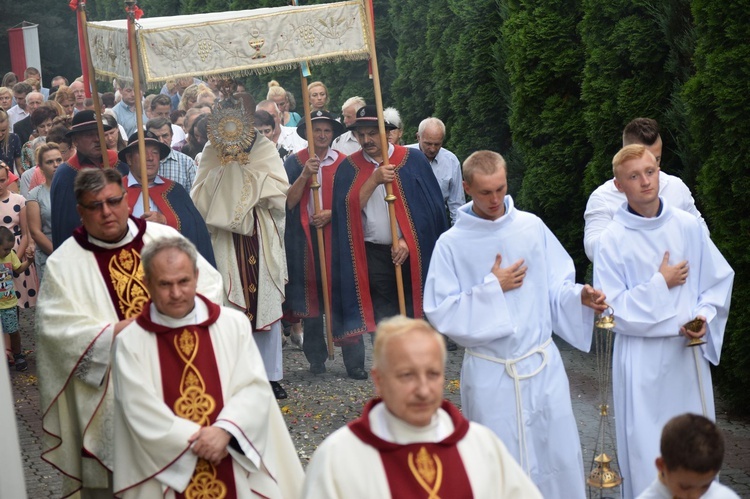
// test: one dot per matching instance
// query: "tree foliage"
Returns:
(718, 110)
(544, 61)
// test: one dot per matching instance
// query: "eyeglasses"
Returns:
(98, 205)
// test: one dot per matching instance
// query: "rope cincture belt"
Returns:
(510, 368)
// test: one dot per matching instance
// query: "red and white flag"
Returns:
(24, 48)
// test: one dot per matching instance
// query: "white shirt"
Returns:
(327, 160)
(346, 143)
(447, 170)
(376, 221)
(137, 209)
(16, 114)
(658, 490)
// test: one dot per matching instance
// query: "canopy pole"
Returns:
(389, 198)
(315, 188)
(130, 8)
(92, 81)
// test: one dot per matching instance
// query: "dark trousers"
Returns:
(314, 344)
(383, 289)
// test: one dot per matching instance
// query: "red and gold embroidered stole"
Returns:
(121, 270)
(192, 388)
(422, 469)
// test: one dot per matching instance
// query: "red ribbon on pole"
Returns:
(82, 48)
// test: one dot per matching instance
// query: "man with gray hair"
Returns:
(177, 166)
(237, 441)
(445, 165)
(411, 442)
(347, 143)
(93, 288)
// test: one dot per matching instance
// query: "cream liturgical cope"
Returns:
(153, 454)
(379, 456)
(655, 375)
(512, 378)
(242, 199)
(75, 320)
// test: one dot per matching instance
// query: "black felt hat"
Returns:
(338, 127)
(148, 138)
(368, 116)
(83, 121)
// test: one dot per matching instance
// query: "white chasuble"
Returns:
(158, 409)
(512, 378)
(655, 375)
(380, 456)
(75, 321)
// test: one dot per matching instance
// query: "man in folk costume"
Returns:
(93, 288)
(363, 260)
(169, 202)
(195, 415)
(499, 283)
(661, 271)
(411, 443)
(304, 292)
(240, 190)
(65, 218)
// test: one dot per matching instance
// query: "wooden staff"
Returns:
(389, 198)
(315, 188)
(135, 68)
(92, 81)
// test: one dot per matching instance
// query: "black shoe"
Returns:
(21, 364)
(317, 368)
(450, 345)
(278, 390)
(357, 373)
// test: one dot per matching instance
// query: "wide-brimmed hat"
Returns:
(83, 121)
(338, 127)
(149, 139)
(368, 116)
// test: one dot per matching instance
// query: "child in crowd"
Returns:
(692, 451)
(10, 264)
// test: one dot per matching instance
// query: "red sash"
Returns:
(121, 270)
(158, 194)
(326, 188)
(192, 389)
(422, 469)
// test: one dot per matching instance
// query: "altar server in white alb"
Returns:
(660, 270)
(411, 443)
(499, 283)
(194, 412)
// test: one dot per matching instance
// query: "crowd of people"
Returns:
(166, 295)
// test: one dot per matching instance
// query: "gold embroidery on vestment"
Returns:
(428, 471)
(197, 406)
(126, 274)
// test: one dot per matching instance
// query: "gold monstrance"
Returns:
(604, 470)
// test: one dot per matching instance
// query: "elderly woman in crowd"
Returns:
(6, 98)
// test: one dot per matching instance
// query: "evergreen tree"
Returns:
(624, 76)
(544, 60)
(718, 110)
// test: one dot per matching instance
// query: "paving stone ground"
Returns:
(318, 405)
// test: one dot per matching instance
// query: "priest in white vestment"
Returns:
(242, 198)
(93, 287)
(499, 283)
(661, 271)
(411, 443)
(12, 481)
(194, 411)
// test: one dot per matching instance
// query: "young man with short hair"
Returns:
(660, 271)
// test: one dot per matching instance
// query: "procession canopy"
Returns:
(232, 43)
